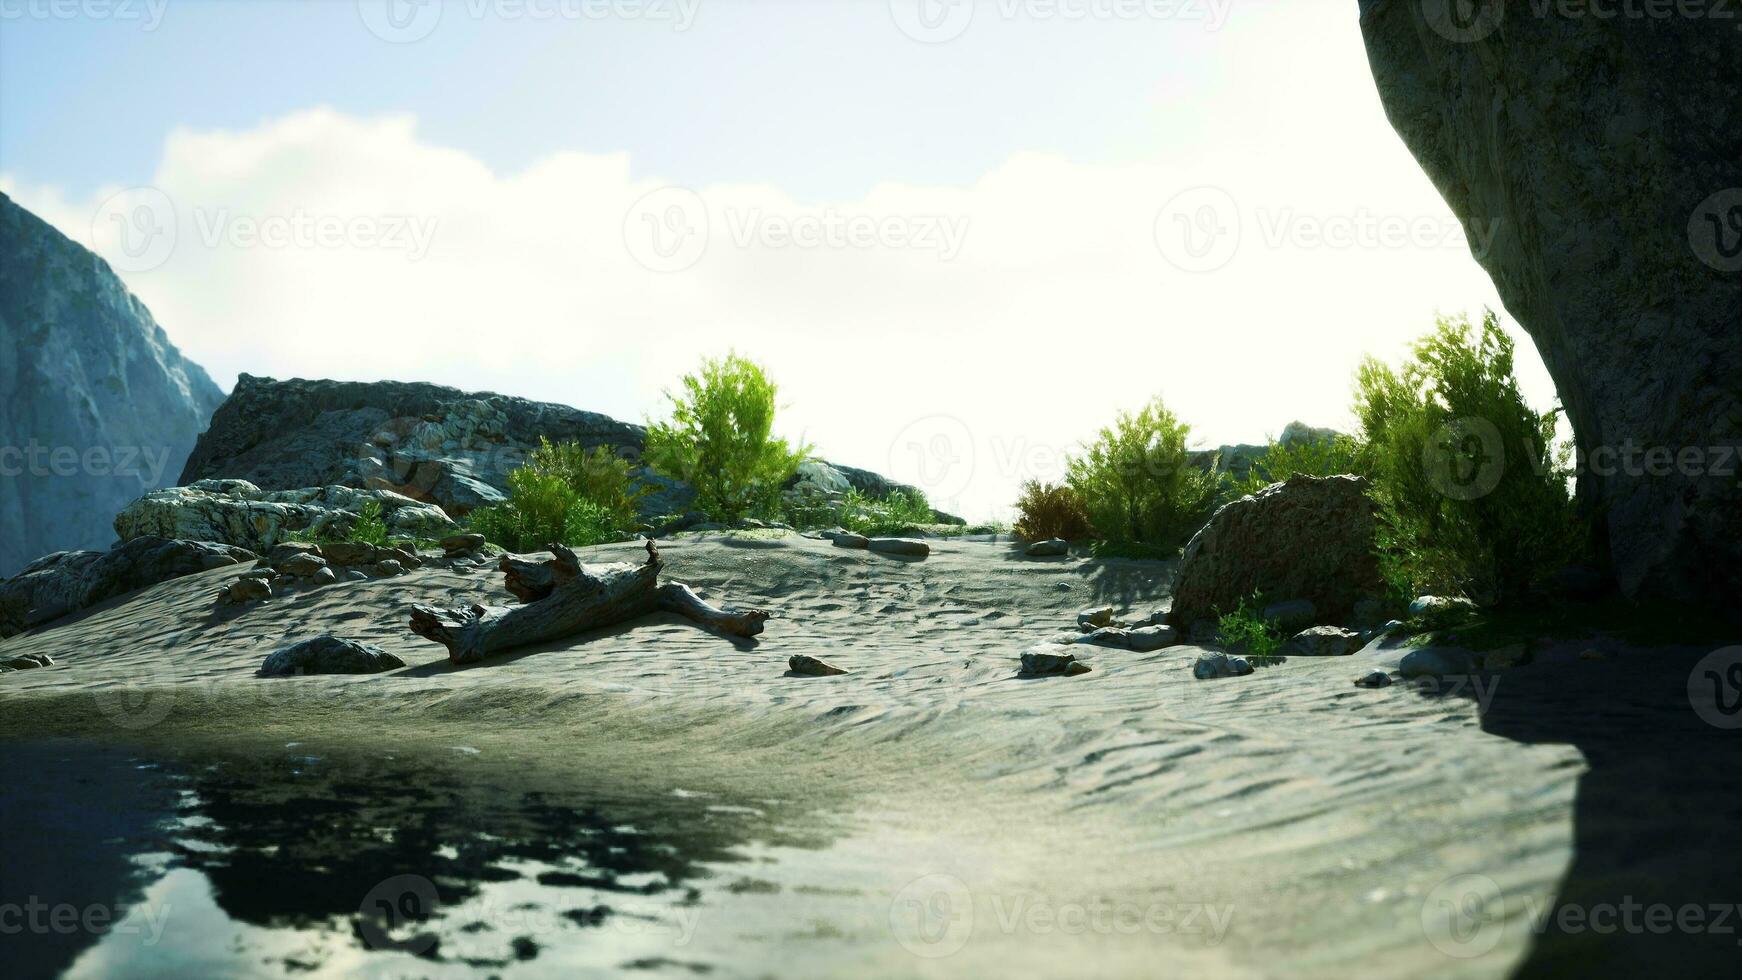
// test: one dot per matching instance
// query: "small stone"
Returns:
(1377, 678)
(906, 547)
(301, 565)
(1323, 641)
(246, 590)
(349, 553)
(847, 539)
(1439, 608)
(454, 543)
(1076, 667)
(289, 549)
(1047, 663)
(209, 562)
(1211, 666)
(266, 572)
(1239, 666)
(1437, 662)
(1514, 655)
(356, 575)
(1090, 620)
(325, 576)
(1107, 636)
(406, 558)
(812, 667)
(1148, 638)
(328, 654)
(27, 661)
(386, 569)
(1050, 548)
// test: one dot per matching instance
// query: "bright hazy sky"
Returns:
(960, 237)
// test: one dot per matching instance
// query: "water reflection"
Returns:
(294, 861)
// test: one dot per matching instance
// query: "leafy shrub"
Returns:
(1047, 510)
(1245, 631)
(543, 509)
(893, 514)
(1313, 457)
(598, 476)
(719, 440)
(368, 527)
(1138, 485)
(1472, 491)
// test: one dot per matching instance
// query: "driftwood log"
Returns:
(561, 597)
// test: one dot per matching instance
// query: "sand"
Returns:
(1131, 821)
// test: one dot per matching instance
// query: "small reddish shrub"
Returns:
(1051, 511)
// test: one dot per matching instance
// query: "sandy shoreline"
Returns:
(1313, 827)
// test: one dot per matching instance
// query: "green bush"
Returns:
(1342, 454)
(1472, 491)
(1138, 485)
(720, 441)
(1246, 632)
(1047, 510)
(894, 514)
(544, 509)
(368, 527)
(598, 476)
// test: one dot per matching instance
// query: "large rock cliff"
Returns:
(96, 405)
(1608, 149)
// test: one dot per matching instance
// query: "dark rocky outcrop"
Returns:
(428, 442)
(1605, 152)
(237, 512)
(68, 581)
(1308, 538)
(96, 405)
(328, 654)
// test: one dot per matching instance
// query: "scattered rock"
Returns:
(456, 544)
(1050, 548)
(1290, 615)
(900, 546)
(1090, 620)
(1052, 663)
(301, 565)
(326, 576)
(386, 569)
(812, 667)
(27, 661)
(356, 575)
(245, 590)
(285, 551)
(1377, 678)
(847, 539)
(1438, 662)
(68, 581)
(328, 654)
(1107, 636)
(1145, 639)
(261, 571)
(349, 553)
(1324, 641)
(1308, 538)
(239, 513)
(1214, 665)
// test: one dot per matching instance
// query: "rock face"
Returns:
(67, 581)
(239, 513)
(1309, 538)
(1614, 209)
(433, 444)
(96, 405)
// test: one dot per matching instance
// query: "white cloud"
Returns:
(1058, 307)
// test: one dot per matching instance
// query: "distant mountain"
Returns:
(96, 405)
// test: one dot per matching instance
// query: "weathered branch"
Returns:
(681, 599)
(562, 597)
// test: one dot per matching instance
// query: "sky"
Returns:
(960, 236)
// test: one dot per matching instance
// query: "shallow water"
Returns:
(294, 862)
